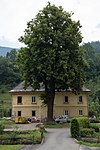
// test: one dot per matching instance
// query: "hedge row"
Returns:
(80, 127)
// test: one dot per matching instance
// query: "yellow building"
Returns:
(27, 103)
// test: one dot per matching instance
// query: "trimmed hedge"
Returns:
(74, 128)
(87, 132)
(83, 122)
(77, 124)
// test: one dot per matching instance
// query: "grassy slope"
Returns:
(6, 98)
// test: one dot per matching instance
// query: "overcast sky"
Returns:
(14, 15)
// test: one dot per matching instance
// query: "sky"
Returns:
(14, 15)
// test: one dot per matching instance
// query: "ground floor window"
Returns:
(19, 113)
(80, 112)
(33, 113)
(66, 112)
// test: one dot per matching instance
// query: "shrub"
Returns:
(95, 127)
(1, 129)
(83, 122)
(74, 128)
(87, 132)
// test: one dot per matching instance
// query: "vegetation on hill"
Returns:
(93, 78)
(9, 77)
(4, 50)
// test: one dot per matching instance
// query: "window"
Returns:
(33, 99)
(66, 99)
(19, 113)
(19, 99)
(80, 99)
(66, 112)
(33, 113)
(80, 112)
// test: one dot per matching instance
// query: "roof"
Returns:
(20, 88)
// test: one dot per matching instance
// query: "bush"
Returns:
(1, 129)
(74, 128)
(83, 122)
(87, 132)
(95, 127)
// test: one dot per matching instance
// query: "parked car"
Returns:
(35, 120)
(62, 119)
(20, 120)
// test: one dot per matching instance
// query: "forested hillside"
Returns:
(4, 50)
(10, 76)
(93, 77)
(96, 46)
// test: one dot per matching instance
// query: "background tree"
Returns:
(52, 55)
(9, 73)
(93, 76)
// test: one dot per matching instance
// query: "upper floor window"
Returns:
(33, 99)
(66, 99)
(19, 99)
(80, 99)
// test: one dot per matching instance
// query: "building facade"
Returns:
(27, 103)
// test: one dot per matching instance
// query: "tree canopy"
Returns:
(9, 73)
(52, 55)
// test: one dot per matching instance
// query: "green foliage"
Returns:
(93, 76)
(74, 128)
(95, 127)
(87, 132)
(96, 46)
(1, 128)
(9, 73)
(7, 123)
(83, 122)
(52, 55)
(77, 124)
(5, 104)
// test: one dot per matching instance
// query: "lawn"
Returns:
(10, 147)
(90, 144)
(5, 104)
(7, 123)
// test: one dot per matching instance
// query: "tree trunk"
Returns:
(50, 105)
(50, 93)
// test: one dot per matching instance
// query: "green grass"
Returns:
(56, 125)
(10, 147)
(90, 144)
(96, 124)
(5, 104)
(7, 123)
(6, 98)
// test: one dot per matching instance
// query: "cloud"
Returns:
(14, 15)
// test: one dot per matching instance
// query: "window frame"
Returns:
(34, 113)
(66, 99)
(33, 99)
(18, 113)
(19, 100)
(66, 112)
(80, 99)
(80, 112)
